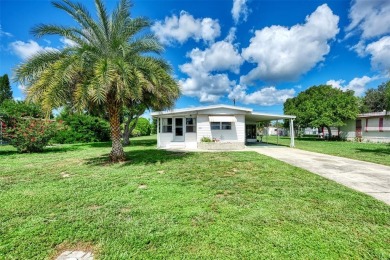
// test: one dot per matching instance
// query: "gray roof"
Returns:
(249, 114)
(374, 114)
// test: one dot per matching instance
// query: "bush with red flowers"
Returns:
(30, 134)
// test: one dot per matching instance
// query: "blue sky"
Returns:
(258, 52)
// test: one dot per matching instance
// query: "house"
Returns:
(368, 127)
(230, 127)
(272, 130)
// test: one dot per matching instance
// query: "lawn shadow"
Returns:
(143, 142)
(8, 152)
(49, 149)
(376, 151)
(140, 157)
(133, 142)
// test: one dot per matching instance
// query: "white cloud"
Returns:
(27, 49)
(203, 81)
(67, 42)
(357, 84)
(22, 88)
(380, 53)
(283, 54)
(3, 33)
(239, 9)
(360, 48)
(219, 56)
(205, 86)
(371, 17)
(231, 35)
(267, 96)
(185, 26)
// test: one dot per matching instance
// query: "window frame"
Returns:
(221, 126)
(166, 128)
(193, 125)
(227, 126)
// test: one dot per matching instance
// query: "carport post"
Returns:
(292, 143)
(277, 131)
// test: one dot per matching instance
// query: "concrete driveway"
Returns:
(370, 178)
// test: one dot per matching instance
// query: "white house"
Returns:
(371, 127)
(228, 125)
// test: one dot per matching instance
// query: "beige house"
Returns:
(368, 127)
(229, 127)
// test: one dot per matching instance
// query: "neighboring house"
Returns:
(323, 131)
(310, 131)
(233, 126)
(368, 127)
(271, 130)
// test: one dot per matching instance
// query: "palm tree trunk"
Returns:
(117, 154)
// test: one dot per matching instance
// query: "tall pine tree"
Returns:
(5, 88)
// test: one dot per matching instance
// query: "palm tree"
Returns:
(111, 64)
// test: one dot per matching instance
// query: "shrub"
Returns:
(18, 109)
(143, 126)
(135, 132)
(206, 139)
(80, 128)
(154, 126)
(30, 134)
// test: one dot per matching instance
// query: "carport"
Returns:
(253, 118)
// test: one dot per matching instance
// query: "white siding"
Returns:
(370, 134)
(348, 131)
(203, 127)
(165, 139)
(190, 140)
(236, 134)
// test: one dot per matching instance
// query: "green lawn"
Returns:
(370, 152)
(180, 205)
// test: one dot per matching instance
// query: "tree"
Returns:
(143, 126)
(377, 100)
(16, 109)
(5, 89)
(323, 106)
(110, 65)
(131, 115)
(81, 128)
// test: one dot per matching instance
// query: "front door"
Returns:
(179, 130)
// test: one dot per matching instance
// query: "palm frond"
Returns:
(103, 18)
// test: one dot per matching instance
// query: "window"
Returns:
(221, 125)
(167, 125)
(190, 125)
(215, 125)
(226, 125)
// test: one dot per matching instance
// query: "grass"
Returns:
(164, 204)
(370, 152)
